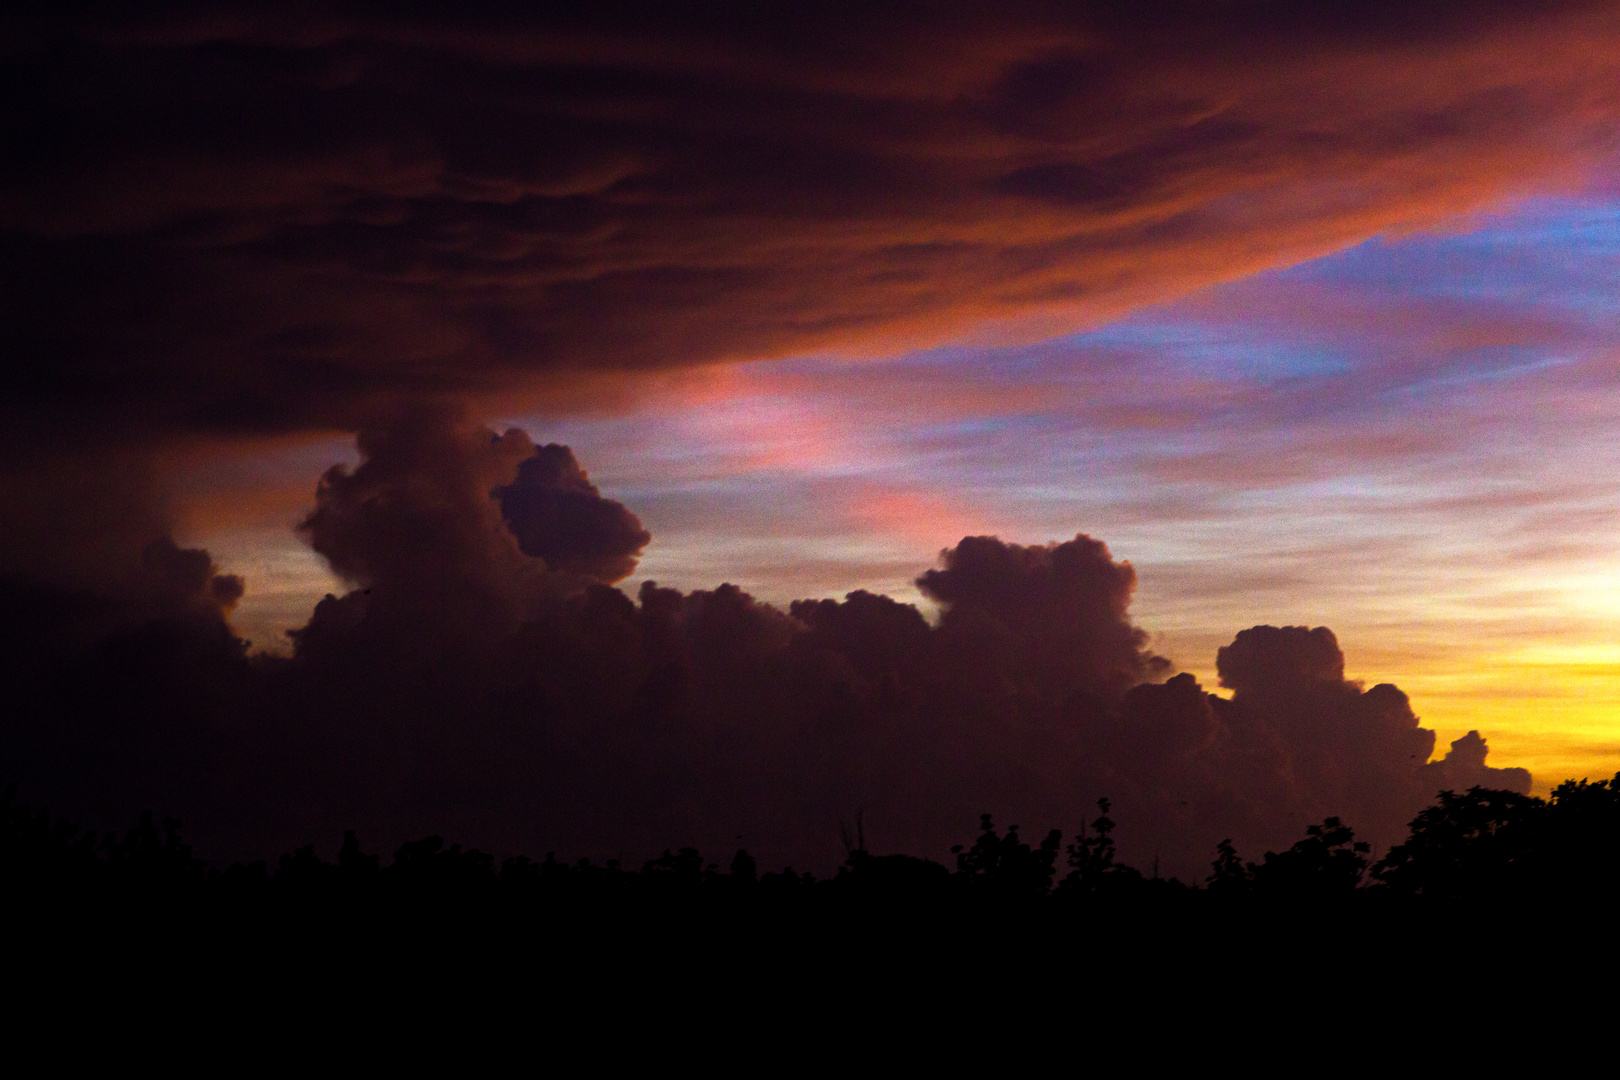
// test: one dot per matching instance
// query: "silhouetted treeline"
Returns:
(1480, 846)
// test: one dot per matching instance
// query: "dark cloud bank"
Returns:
(485, 680)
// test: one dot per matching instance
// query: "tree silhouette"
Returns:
(1468, 843)
(1229, 875)
(1481, 845)
(1092, 866)
(1005, 866)
(1328, 863)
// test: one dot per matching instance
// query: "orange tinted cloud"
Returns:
(284, 224)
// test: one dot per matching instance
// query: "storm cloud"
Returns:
(466, 686)
(220, 219)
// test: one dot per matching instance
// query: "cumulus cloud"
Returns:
(187, 577)
(1058, 611)
(447, 521)
(414, 525)
(559, 516)
(1464, 767)
(469, 686)
(1333, 742)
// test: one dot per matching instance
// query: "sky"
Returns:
(1307, 312)
(1364, 440)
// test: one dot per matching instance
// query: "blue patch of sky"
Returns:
(1546, 252)
(1558, 256)
(1220, 350)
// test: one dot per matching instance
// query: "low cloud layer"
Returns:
(471, 687)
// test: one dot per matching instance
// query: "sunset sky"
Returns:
(1308, 311)
(1408, 440)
